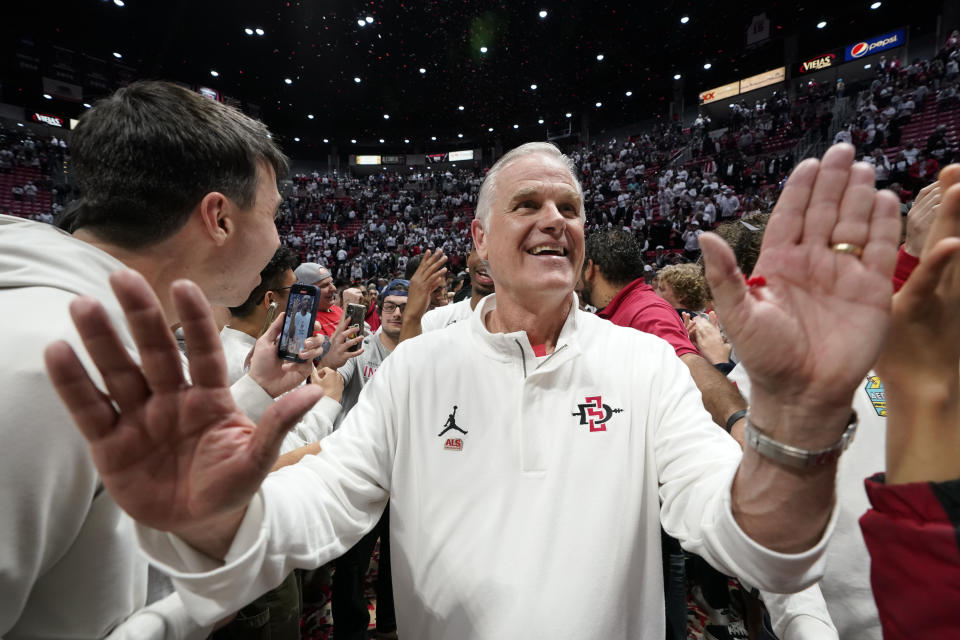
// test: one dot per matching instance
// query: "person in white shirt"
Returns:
(534, 466)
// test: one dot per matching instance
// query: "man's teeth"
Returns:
(553, 251)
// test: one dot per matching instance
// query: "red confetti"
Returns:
(756, 281)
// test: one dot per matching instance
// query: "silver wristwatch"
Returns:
(794, 456)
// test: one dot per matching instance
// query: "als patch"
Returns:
(878, 398)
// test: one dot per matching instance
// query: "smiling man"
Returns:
(539, 516)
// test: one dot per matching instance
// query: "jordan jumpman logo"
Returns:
(451, 423)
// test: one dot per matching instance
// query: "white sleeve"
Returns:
(800, 616)
(430, 321)
(165, 619)
(252, 399)
(316, 425)
(303, 516)
(696, 463)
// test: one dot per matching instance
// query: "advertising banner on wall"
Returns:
(764, 79)
(819, 63)
(719, 93)
(875, 44)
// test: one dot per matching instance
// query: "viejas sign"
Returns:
(44, 118)
(819, 63)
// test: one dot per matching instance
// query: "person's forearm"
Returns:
(780, 507)
(214, 537)
(293, 457)
(411, 327)
(922, 436)
(720, 396)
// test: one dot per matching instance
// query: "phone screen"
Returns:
(298, 322)
(356, 314)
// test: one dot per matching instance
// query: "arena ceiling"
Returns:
(415, 70)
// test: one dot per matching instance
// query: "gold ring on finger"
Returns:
(847, 247)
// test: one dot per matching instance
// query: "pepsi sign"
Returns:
(875, 45)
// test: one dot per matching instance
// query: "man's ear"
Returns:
(479, 238)
(216, 215)
(589, 270)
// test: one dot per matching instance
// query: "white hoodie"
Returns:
(69, 565)
(537, 516)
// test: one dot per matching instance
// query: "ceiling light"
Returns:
(310, 116)
(361, 22)
(460, 108)
(326, 140)
(87, 105)
(598, 105)
(422, 70)
(48, 96)
(677, 76)
(490, 129)
(296, 139)
(533, 87)
(821, 24)
(406, 141)
(434, 138)
(628, 93)
(381, 140)
(516, 126)
(356, 79)
(459, 135)
(875, 5)
(707, 65)
(259, 31)
(866, 66)
(369, 19)
(569, 114)
(117, 55)
(248, 31)
(353, 140)
(684, 19)
(540, 121)
(119, 3)
(483, 49)
(215, 74)
(288, 80)
(386, 116)
(19, 124)
(599, 57)
(543, 13)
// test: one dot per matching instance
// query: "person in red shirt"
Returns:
(328, 314)
(612, 280)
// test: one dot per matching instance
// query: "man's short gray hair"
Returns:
(485, 198)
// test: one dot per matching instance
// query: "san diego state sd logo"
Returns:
(594, 413)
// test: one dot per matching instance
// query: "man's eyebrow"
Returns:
(527, 192)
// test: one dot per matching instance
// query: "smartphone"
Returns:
(355, 314)
(298, 322)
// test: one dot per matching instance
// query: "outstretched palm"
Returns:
(816, 326)
(176, 456)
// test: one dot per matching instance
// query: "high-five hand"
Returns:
(810, 334)
(176, 456)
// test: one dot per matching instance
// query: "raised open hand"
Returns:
(920, 361)
(920, 217)
(176, 456)
(810, 334)
(428, 276)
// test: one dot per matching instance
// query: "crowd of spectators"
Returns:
(27, 164)
(890, 128)
(367, 228)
